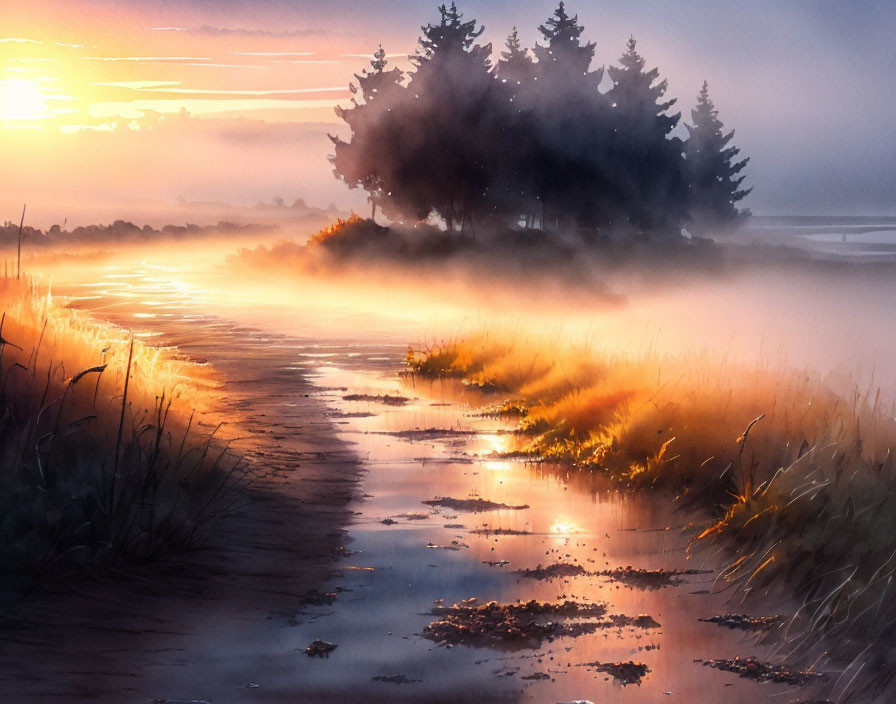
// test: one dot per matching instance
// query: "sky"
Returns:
(806, 84)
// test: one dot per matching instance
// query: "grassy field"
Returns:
(798, 480)
(108, 450)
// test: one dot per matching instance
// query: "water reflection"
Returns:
(563, 527)
(394, 577)
(570, 519)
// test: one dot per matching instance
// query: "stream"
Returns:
(404, 557)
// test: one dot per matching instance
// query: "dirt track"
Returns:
(125, 639)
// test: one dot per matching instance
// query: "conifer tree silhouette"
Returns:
(452, 90)
(515, 65)
(533, 143)
(356, 162)
(645, 159)
(714, 178)
(563, 51)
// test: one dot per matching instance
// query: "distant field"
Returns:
(852, 237)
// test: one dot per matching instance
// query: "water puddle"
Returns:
(443, 520)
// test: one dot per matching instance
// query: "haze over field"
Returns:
(805, 84)
(394, 352)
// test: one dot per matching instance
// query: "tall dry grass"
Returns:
(104, 454)
(799, 479)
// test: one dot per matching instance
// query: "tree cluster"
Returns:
(532, 139)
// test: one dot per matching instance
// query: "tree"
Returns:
(637, 97)
(570, 114)
(451, 35)
(357, 162)
(648, 162)
(513, 177)
(453, 117)
(457, 143)
(713, 174)
(515, 65)
(563, 53)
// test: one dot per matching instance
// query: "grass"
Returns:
(103, 458)
(799, 481)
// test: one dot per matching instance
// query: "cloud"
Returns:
(228, 65)
(138, 85)
(370, 55)
(273, 53)
(153, 59)
(167, 87)
(25, 40)
(308, 61)
(173, 60)
(287, 91)
(210, 31)
(135, 109)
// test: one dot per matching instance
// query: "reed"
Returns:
(797, 480)
(104, 458)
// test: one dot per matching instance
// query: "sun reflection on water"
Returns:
(497, 465)
(496, 443)
(562, 526)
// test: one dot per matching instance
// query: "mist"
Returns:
(805, 84)
(759, 305)
(334, 335)
(233, 163)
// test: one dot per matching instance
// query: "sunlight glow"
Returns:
(496, 444)
(22, 100)
(562, 526)
(497, 465)
(136, 109)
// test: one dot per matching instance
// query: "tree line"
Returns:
(531, 140)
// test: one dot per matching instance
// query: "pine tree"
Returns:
(353, 161)
(570, 126)
(648, 163)
(563, 52)
(515, 65)
(713, 174)
(454, 94)
(637, 97)
(450, 36)
(378, 82)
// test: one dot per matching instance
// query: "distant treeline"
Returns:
(299, 207)
(532, 141)
(119, 232)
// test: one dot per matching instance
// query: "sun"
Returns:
(22, 100)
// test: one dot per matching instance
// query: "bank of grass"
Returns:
(105, 458)
(799, 480)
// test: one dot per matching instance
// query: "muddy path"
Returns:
(389, 500)
(114, 637)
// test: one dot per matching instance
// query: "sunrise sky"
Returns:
(807, 85)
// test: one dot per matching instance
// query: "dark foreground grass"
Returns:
(103, 457)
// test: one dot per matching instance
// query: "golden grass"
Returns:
(104, 456)
(337, 229)
(800, 479)
(666, 419)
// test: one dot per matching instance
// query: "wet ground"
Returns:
(406, 558)
(436, 555)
